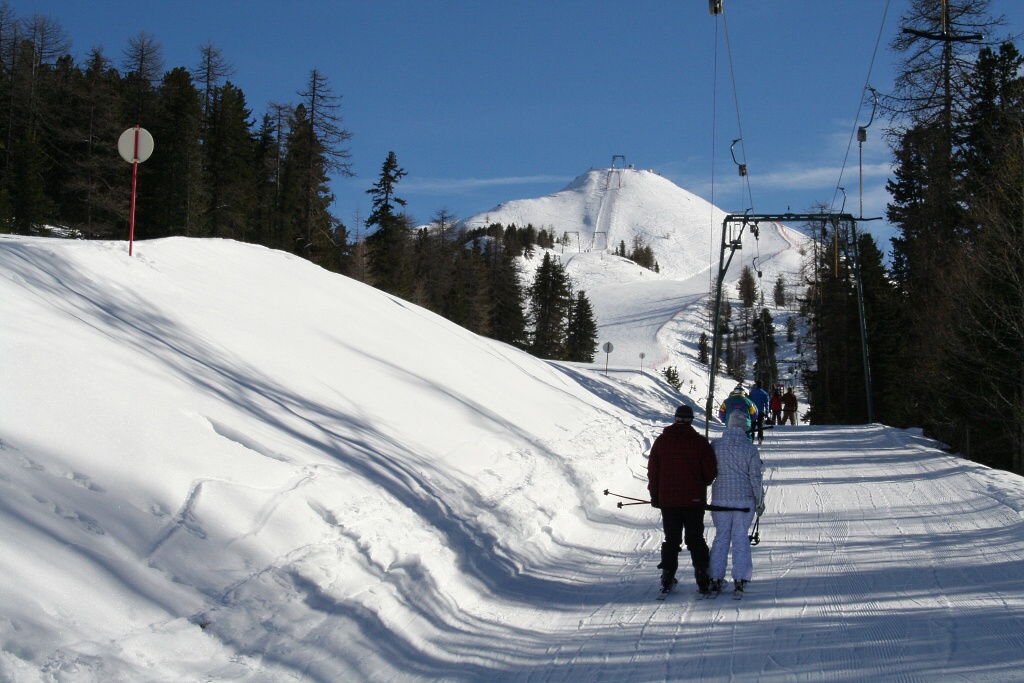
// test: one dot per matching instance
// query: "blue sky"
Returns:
(484, 102)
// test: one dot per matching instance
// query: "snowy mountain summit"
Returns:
(657, 314)
(605, 207)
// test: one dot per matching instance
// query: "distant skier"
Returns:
(761, 401)
(738, 484)
(680, 469)
(738, 402)
(776, 406)
(789, 407)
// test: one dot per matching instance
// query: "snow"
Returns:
(219, 462)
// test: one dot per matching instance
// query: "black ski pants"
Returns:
(684, 524)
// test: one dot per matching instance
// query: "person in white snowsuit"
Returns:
(738, 485)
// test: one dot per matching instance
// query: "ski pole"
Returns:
(755, 537)
(609, 493)
(710, 508)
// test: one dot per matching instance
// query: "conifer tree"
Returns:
(323, 236)
(230, 171)
(508, 318)
(95, 200)
(466, 301)
(387, 246)
(779, 293)
(766, 365)
(171, 191)
(268, 219)
(549, 309)
(581, 341)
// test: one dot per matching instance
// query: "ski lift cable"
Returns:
(736, 102)
(860, 106)
(714, 134)
(744, 175)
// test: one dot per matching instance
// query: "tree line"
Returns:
(945, 320)
(221, 172)
(218, 172)
(754, 330)
(472, 277)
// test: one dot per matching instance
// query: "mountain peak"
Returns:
(604, 207)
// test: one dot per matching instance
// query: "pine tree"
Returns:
(703, 349)
(171, 197)
(747, 287)
(549, 308)
(987, 344)
(508, 319)
(268, 217)
(388, 244)
(581, 342)
(466, 301)
(780, 292)
(230, 165)
(671, 375)
(766, 365)
(95, 200)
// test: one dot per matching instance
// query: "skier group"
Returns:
(681, 467)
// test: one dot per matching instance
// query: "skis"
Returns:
(709, 594)
(737, 593)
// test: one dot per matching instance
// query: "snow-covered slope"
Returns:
(219, 462)
(609, 206)
(657, 314)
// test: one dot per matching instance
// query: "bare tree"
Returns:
(142, 62)
(937, 45)
(212, 70)
(324, 110)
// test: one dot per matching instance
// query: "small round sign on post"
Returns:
(135, 146)
(608, 348)
(132, 152)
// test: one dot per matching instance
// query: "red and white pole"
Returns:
(135, 145)
(135, 181)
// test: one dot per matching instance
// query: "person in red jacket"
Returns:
(680, 469)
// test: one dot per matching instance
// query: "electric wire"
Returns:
(860, 106)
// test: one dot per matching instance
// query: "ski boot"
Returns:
(740, 585)
(715, 587)
(703, 580)
(668, 581)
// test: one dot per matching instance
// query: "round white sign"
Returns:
(126, 145)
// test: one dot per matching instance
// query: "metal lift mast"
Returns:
(733, 228)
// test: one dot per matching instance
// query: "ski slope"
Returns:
(658, 314)
(221, 463)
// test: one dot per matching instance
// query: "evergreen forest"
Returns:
(945, 317)
(222, 171)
